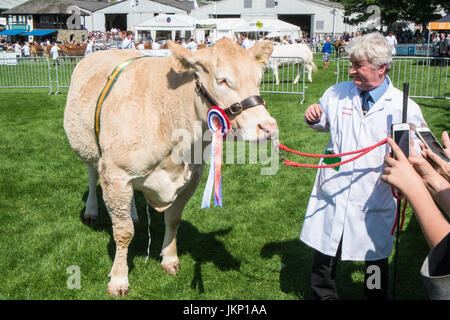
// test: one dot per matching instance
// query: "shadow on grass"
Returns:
(202, 247)
(297, 258)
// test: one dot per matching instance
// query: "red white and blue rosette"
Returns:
(219, 124)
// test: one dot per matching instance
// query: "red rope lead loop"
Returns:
(296, 164)
(397, 195)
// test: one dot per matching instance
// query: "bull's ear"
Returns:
(261, 51)
(189, 60)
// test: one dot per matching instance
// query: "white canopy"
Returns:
(168, 23)
(219, 28)
(267, 25)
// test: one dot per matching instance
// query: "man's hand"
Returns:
(313, 113)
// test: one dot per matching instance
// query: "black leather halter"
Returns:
(236, 108)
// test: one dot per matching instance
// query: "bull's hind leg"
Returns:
(172, 219)
(91, 212)
(118, 194)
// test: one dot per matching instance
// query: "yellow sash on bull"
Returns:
(105, 92)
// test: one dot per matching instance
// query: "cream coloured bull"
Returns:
(151, 98)
(289, 54)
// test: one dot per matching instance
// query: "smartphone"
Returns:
(400, 134)
(431, 142)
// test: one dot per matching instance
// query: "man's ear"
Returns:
(190, 60)
(261, 51)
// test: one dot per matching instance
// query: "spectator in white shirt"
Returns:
(89, 48)
(245, 43)
(18, 49)
(192, 45)
(26, 50)
(392, 42)
(127, 43)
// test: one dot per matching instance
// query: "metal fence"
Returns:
(63, 71)
(427, 76)
(41, 72)
(284, 75)
(25, 73)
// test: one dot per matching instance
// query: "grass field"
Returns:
(250, 249)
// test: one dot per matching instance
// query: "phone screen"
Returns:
(434, 145)
(401, 138)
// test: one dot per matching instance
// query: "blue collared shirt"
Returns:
(377, 92)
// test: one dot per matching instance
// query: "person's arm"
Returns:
(400, 174)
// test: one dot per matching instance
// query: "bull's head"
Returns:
(230, 75)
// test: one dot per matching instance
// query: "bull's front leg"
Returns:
(118, 194)
(172, 219)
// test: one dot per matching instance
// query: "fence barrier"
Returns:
(284, 75)
(64, 67)
(20, 72)
(427, 76)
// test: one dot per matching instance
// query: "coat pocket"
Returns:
(328, 183)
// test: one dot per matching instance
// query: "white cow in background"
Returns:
(284, 55)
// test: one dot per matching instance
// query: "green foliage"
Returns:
(420, 11)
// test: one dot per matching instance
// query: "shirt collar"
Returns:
(378, 92)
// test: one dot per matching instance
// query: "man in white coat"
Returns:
(392, 41)
(351, 212)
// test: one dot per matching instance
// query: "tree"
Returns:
(391, 11)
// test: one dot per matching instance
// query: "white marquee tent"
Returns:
(217, 28)
(269, 25)
(167, 26)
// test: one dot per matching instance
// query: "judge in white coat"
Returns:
(351, 212)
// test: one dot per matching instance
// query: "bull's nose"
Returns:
(268, 129)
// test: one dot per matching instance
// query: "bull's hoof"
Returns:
(172, 268)
(89, 219)
(118, 288)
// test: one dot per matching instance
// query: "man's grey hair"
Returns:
(372, 47)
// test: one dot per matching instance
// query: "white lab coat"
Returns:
(89, 48)
(54, 52)
(353, 203)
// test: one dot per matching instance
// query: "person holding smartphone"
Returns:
(421, 183)
(351, 212)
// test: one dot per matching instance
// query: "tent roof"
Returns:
(441, 24)
(165, 21)
(267, 25)
(221, 24)
(444, 19)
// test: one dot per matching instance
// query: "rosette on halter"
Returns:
(219, 124)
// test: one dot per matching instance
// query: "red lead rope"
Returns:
(295, 164)
(361, 152)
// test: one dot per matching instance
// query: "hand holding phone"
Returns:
(400, 134)
(430, 141)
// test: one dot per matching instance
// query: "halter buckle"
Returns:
(233, 108)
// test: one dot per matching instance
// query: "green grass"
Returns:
(250, 249)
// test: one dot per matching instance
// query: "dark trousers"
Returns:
(323, 277)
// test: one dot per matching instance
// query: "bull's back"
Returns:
(88, 80)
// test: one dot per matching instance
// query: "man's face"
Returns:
(365, 77)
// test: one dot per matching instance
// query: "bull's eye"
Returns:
(222, 81)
